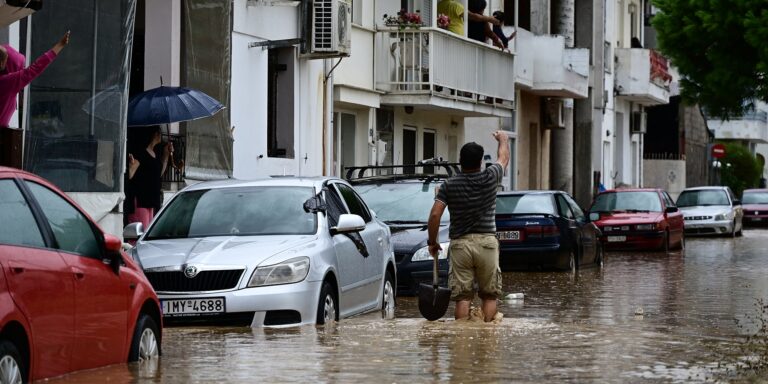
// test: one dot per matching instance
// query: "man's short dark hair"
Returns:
(471, 156)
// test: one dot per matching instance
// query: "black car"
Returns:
(545, 228)
(403, 201)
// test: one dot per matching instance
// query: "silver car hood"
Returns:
(707, 210)
(240, 251)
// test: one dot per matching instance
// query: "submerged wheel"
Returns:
(599, 255)
(145, 345)
(11, 365)
(388, 297)
(327, 308)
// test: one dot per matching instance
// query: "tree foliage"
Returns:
(740, 169)
(720, 48)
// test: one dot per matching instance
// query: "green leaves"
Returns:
(719, 48)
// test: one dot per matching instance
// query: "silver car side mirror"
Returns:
(133, 231)
(349, 223)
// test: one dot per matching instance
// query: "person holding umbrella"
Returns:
(144, 189)
(474, 249)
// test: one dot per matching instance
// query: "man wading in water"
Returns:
(474, 250)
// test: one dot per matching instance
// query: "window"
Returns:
(280, 127)
(355, 205)
(563, 208)
(19, 226)
(71, 229)
(577, 212)
(357, 12)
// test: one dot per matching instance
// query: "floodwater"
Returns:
(645, 317)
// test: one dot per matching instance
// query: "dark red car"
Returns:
(638, 219)
(70, 298)
(754, 203)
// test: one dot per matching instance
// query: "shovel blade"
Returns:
(433, 301)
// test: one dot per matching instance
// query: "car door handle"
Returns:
(79, 274)
(17, 270)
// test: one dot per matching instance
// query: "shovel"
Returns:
(433, 299)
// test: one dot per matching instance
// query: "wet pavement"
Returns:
(643, 317)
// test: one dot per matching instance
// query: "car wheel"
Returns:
(11, 365)
(388, 298)
(145, 344)
(599, 255)
(571, 263)
(327, 309)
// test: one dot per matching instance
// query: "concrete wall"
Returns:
(665, 174)
(696, 145)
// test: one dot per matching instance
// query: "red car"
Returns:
(70, 299)
(638, 219)
(754, 203)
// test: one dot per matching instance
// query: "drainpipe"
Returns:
(327, 112)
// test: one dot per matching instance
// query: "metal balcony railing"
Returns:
(432, 60)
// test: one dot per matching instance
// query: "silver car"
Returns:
(711, 210)
(275, 252)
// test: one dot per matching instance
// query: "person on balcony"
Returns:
(14, 77)
(455, 12)
(479, 27)
(499, 15)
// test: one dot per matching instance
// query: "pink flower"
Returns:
(443, 21)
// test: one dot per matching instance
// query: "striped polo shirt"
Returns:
(471, 200)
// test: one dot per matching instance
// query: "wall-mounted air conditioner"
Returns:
(329, 34)
(637, 123)
(553, 113)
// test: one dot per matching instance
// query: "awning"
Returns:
(13, 10)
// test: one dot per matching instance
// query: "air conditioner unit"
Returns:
(637, 123)
(329, 29)
(553, 114)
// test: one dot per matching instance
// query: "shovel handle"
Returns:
(434, 274)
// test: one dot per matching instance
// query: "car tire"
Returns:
(599, 255)
(571, 263)
(145, 345)
(12, 366)
(388, 299)
(327, 306)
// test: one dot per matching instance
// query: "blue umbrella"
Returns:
(165, 105)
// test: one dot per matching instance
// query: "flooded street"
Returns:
(645, 317)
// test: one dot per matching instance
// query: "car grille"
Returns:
(755, 213)
(175, 281)
(700, 231)
(695, 218)
(616, 228)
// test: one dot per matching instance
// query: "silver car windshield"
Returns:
(629, 201)
(401, 203)
(242, 211)
(522, 204)
(703, 197)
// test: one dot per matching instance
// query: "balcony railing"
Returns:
(434, 61)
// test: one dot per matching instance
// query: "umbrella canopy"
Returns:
(164, 105)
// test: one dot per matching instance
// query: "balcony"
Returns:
(546, 68)
(431, 68)
(752, 127)
(642, 76)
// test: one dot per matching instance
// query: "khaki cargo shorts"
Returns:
(474, 257)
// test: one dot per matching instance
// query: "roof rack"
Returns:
(450, 168)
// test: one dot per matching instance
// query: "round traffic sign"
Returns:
(718, 151)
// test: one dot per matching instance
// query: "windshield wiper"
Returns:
(637, 211)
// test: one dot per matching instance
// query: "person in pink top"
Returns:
(14, 77)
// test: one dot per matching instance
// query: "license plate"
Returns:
(508, 235)
(177, 307)
(616, 239)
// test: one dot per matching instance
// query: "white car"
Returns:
(275, 252)
(711, 210)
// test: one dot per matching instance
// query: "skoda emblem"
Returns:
(190, 271)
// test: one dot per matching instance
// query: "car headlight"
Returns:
(423, 253)
(645, 227)
(287, 272)
(723, 216)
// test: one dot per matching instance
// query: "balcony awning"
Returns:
(14, 10)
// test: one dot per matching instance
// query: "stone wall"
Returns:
(696, 141)
(668, 175)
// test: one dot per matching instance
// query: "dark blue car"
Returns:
(545, 228)
(403, 202)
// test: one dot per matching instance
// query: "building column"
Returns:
(561, 164)
(162, 45)
(588, 33)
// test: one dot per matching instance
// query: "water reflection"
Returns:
(643, 317)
